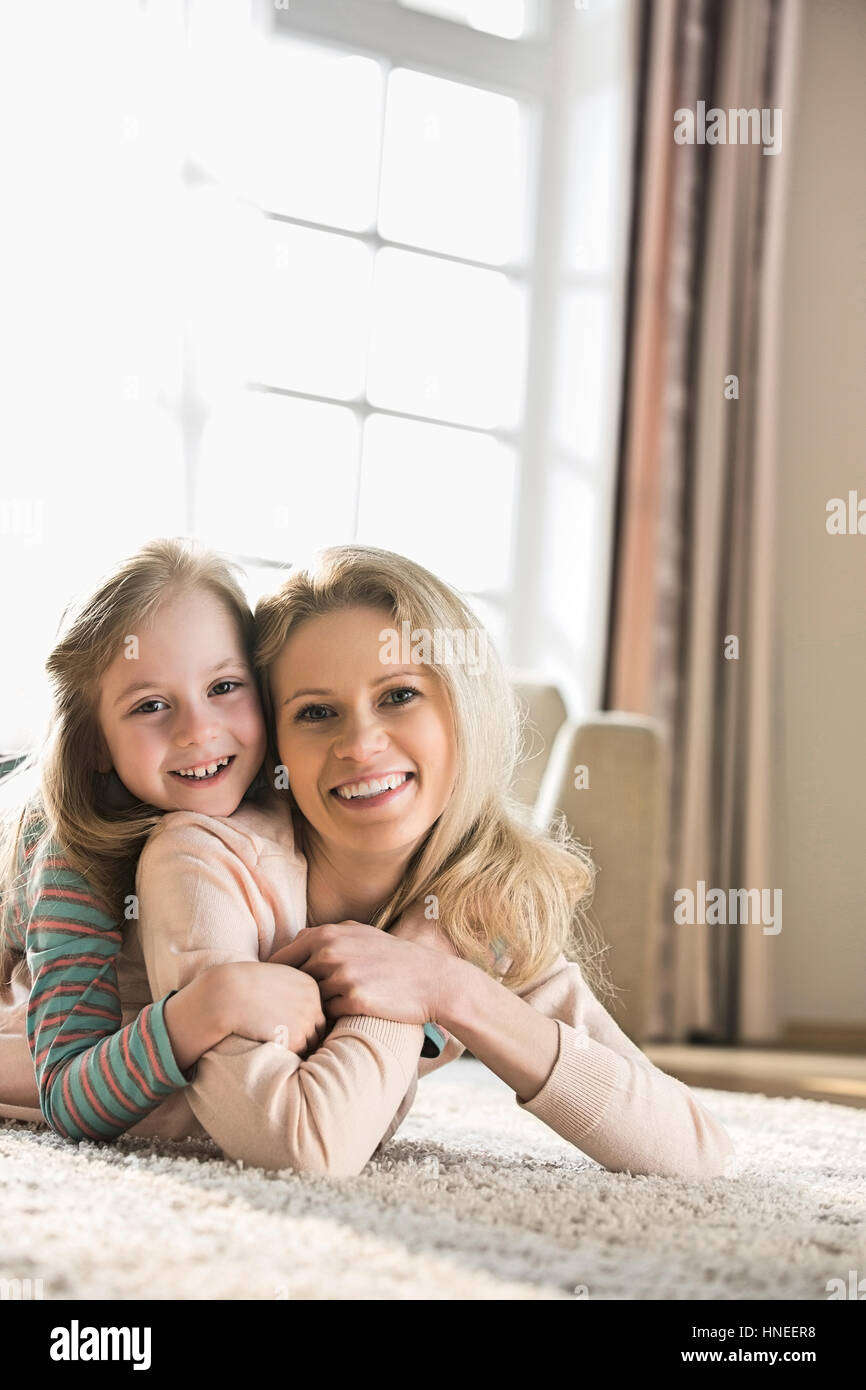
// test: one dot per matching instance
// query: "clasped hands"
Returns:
(341, 969)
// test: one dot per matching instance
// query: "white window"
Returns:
(436, 300)
(359, 276)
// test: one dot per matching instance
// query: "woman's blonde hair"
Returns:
(503, 889)
(76, 803)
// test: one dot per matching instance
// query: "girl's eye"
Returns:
(142, 708)
(221, 688)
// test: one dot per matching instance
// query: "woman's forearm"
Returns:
(571, 1066)
(197, 1017)
(508, 1035)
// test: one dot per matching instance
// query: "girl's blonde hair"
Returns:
(503, 888)
(102, 835)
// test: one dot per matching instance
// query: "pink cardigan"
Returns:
(234, 889)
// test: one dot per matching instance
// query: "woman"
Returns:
(428, 899)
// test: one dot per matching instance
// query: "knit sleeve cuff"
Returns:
(162, 1043)
(403, 1039)
(580, 1085)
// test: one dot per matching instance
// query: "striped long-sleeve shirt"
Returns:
(95, 1078)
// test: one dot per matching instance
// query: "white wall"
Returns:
(822, 578)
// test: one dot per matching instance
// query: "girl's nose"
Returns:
(196, 724)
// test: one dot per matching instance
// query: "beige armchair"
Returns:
(606, 772)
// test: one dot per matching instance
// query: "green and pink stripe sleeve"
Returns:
(96, 1079)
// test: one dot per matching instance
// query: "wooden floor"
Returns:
(839, 1077)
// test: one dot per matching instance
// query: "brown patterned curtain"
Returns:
(694, 546)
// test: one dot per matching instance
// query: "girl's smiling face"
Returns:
(346, 718)
(187, 701)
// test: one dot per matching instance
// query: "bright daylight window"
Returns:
(375, 258)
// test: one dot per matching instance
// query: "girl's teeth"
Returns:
(207, 771)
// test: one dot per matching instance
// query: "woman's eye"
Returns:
(309, 711)
(233, 685)
(408, 690)
(317, 714)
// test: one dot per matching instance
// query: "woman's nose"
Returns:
(360, 737)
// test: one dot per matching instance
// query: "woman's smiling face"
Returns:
(346, 718)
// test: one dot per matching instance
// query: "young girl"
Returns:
(428, 896)
(156, 709)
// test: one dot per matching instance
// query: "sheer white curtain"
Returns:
(99, 242)
(285, 276)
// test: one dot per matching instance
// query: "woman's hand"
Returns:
(267, 1003)
(412, 925)
(362, 970)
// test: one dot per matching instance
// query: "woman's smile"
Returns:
(369, 792)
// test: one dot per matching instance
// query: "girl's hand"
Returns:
(267, 1003)
(362, 970)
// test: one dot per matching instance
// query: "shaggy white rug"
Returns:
(472, 1199)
